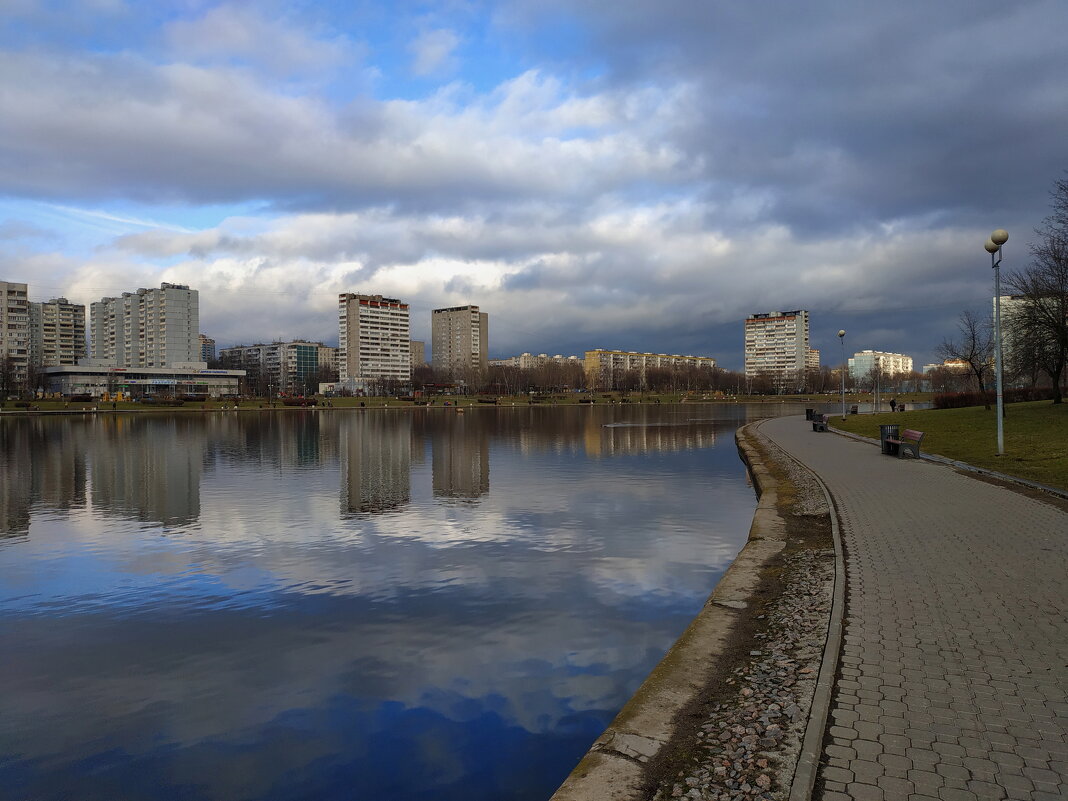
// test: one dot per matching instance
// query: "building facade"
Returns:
(374, 338)
(207, 348)
(528, 361)
(291, 368)
(602, 365)
(777, 344)
(418, 352)
(14, 334)
(57, 333)
(100, 380)
(147, 328)
(865, 362)
(459, 338)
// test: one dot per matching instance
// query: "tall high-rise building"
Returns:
(459, 338)
(374, 338)
(14, 332)
(418, 350)
(147, 328)
(57, 333)
(776, 344)
(207, 348)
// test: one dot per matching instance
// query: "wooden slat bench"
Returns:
(910, 440)
(819, 422)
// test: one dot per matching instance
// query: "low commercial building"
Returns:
(141, 382)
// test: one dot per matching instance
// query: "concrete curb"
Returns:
(808, 760)
(616, 766)
(971, 468)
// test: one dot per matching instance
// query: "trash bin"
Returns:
(808, 414)
(885, 432)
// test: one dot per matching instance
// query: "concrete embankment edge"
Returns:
(616, 766)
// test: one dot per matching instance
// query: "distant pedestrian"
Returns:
(893, 404)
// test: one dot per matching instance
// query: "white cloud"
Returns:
(232, 32)
(432, 51)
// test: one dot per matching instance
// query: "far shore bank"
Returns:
(453, 402)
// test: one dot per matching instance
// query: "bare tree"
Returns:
(1038, 324)
(974, 346)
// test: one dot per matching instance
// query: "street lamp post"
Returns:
(993, 247)
(841, 338)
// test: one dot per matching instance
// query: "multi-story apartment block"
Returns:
(776, 344)
(57, 333)
(418, 352)
(527, 361)
(602, 365)
(14, 332)
(148, 328)
(812, 359)
(374, 335)
(283, 367)
(459, 338)
(865, 362)
(207, 348)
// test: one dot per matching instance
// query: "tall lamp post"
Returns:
(993, 247)
(841, 338)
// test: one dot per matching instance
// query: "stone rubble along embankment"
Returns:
(748, 747)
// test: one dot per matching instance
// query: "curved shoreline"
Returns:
(657, 731)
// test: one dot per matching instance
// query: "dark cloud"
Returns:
(644, 181)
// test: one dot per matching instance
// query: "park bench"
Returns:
(909, 440)
(819, 422)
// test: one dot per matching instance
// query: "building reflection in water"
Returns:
(616, 439)
(376, 462)
(43, 464)
(147, 467)
(460, 457)
(150, 468)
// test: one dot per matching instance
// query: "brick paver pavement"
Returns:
(954, 666)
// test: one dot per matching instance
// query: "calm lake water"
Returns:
(346, 605)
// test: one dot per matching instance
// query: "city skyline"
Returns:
(639, 176)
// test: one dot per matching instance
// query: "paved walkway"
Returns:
(954, 667)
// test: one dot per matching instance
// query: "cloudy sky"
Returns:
(634, 174)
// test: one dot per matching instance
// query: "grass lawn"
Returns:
(1036, 437)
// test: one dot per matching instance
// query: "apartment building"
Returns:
(528, 361)
(418, 353)
(777, 343)
(207, 348)
(147, 328)
(602, 365)
(459, 338)
(57, 333)
(863, 364)
(14, 333)
(374, 335)
(280, 367)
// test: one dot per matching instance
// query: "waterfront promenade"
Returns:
(953, 673)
